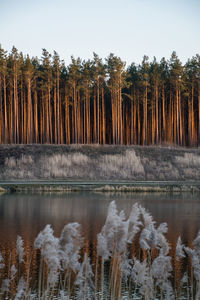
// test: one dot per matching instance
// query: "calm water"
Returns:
(27, 214)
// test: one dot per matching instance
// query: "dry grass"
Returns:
(99, 163)
(2, 190)
(65, 271)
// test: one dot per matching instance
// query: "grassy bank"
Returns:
(100, 164)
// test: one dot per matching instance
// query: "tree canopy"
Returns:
(98, 101)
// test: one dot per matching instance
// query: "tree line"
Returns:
(98, 101)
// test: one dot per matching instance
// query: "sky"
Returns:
(128, 28)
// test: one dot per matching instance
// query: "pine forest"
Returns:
(98, 101)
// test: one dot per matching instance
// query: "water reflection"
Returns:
(27, 214)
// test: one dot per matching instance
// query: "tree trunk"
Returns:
(55, 115)
(5, 111)
(103, 117)
(157, 116)
(163, 114)
(199, 115)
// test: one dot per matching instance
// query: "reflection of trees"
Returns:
(26, 215)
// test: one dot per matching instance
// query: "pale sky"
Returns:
(127, 28)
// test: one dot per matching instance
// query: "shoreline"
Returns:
(65, 168)
(99, 186)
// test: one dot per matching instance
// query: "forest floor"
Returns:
(100, 168)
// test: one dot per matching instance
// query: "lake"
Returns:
(27, 214)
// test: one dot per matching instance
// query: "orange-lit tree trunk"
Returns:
(163, 115)
(55, 115)
(29, 105)
(199, 113)
(36, 129)
(1, 114)
(157, 115)
(67, 123)
(5, 111)
(58, 107)
(103, 118)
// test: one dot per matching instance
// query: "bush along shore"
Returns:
(65, 270)
(109, 187)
